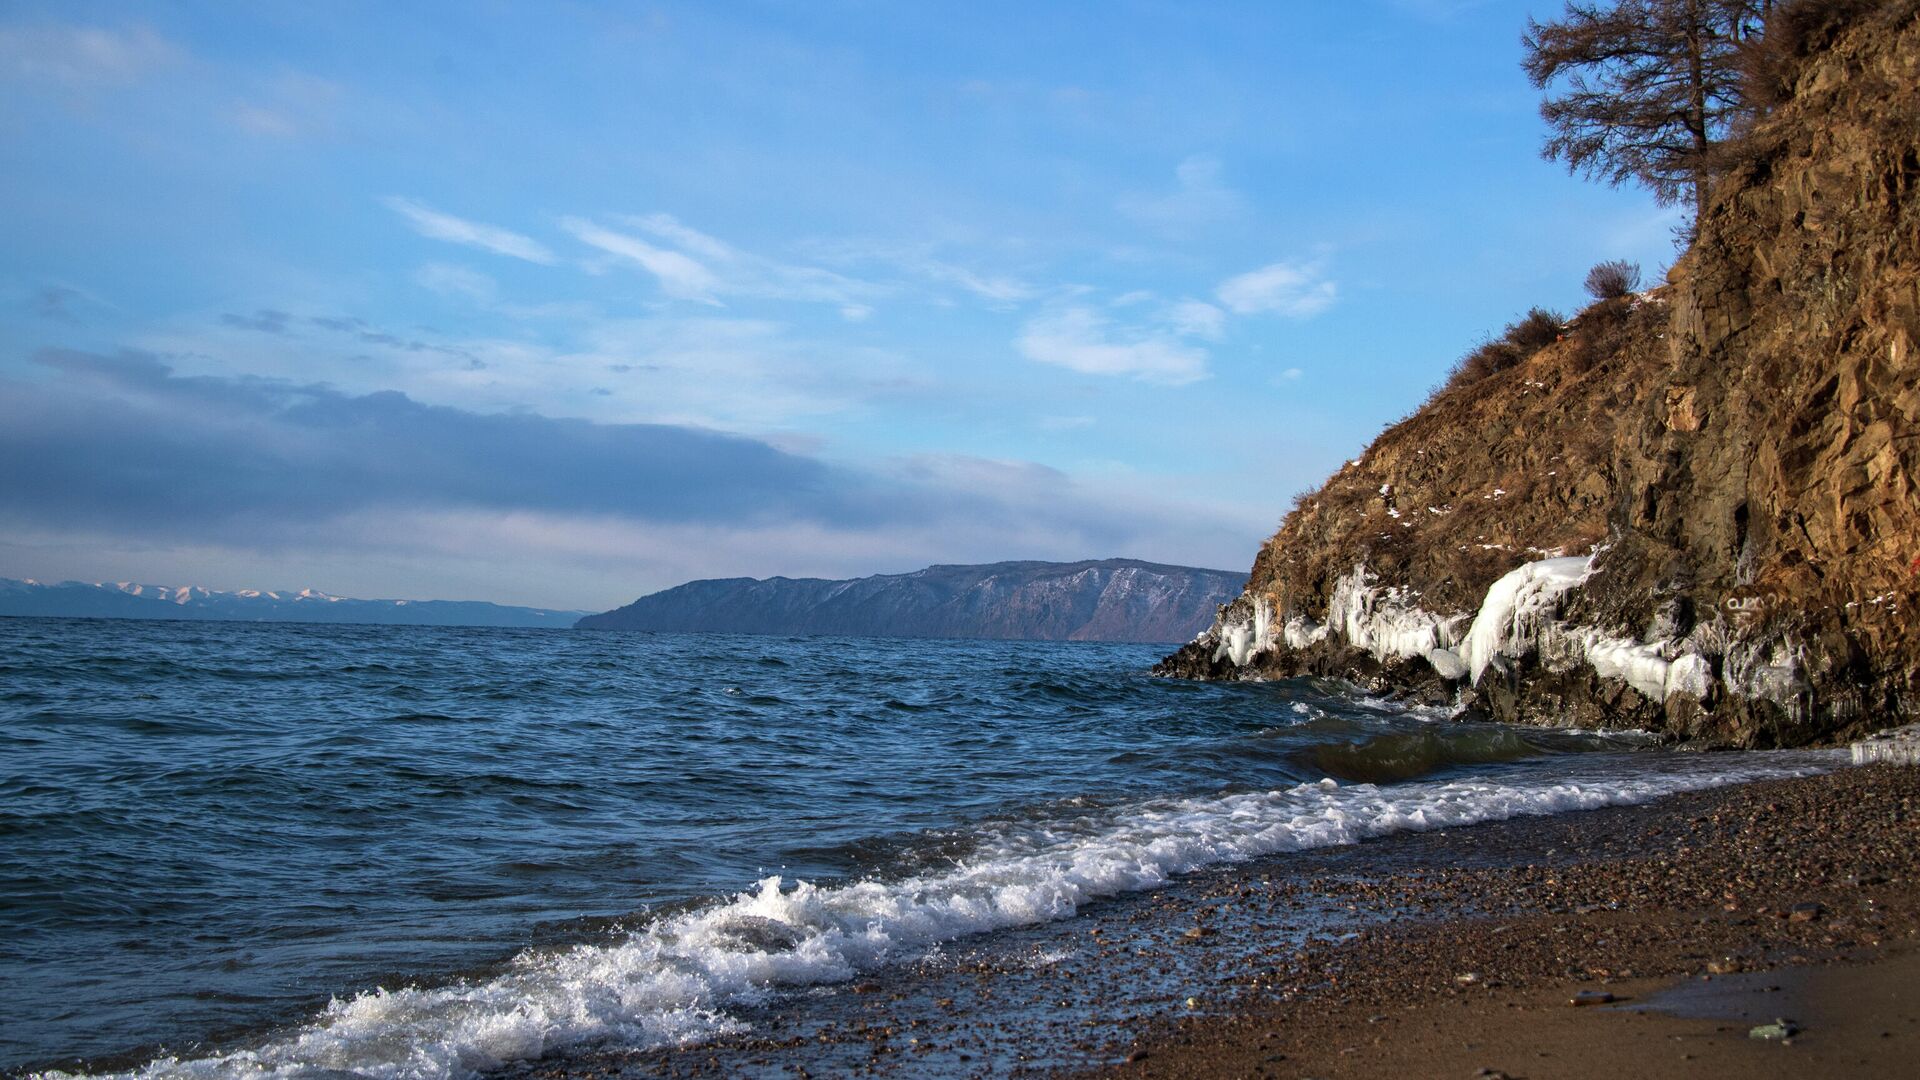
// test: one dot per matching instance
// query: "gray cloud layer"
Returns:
(122, 441)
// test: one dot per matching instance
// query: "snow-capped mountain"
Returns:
(137, 600)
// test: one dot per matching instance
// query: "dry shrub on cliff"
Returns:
(1613, 279)
(1486, 359)
(1534, 331)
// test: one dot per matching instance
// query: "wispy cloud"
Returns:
(1081, 339)
(758, 275)
(1000, 290)
(736, 374)
(1294, 289)
(697, 365)
(680, 275)
(435, 225)
(1198, 197)
(82, 57)
(693, 265)
(1197, 318)
(689, 239)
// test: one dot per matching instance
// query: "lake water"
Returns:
(245, 849)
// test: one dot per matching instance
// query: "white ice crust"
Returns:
(1519, 610)
(1519, 617)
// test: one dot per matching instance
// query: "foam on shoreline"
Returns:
(673, 982)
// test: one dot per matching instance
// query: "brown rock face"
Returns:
(1737, 451)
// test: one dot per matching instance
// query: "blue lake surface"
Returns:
(484, 845)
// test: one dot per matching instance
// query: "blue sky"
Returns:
(563, 303)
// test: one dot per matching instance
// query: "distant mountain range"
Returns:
(127, 600)
(1107, 600)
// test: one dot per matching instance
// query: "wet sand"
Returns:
(1452, 953)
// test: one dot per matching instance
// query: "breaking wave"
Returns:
(673, 981)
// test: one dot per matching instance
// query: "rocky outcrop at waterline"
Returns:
(1696, 512)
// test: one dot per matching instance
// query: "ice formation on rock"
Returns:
(1519, 610)
(1519, 617)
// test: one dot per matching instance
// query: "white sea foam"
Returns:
(672, 982)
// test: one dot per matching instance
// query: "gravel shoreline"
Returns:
(1778, 876)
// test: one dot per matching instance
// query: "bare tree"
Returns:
(1641, 90)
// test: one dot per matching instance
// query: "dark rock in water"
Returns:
(1591, 997)
(1107, 600)
(1699, 511)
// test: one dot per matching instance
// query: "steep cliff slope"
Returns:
(1694, 513)
(1109, 600)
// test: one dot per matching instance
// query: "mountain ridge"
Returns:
(26, 597)
(1088, 600)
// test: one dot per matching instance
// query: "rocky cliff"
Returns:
(1696, 512)
(1109, 600)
